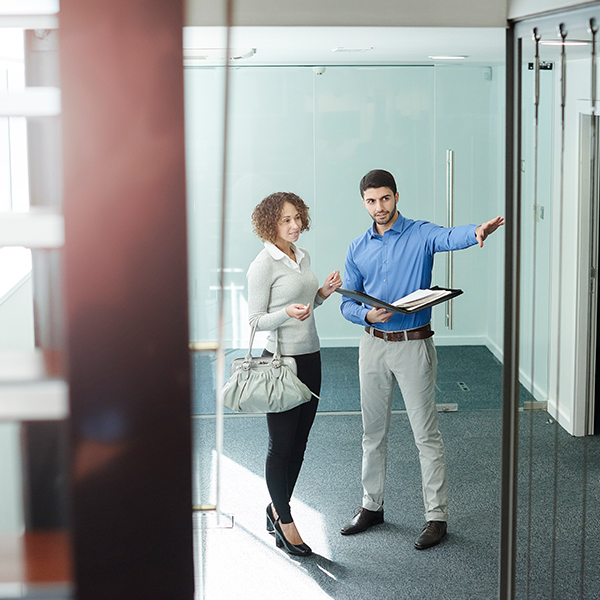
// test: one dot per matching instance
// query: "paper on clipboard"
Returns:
(420, 297)
(419, 300)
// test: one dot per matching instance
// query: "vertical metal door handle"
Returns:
(449, 223)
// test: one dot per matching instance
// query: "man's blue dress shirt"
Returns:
(391, 266)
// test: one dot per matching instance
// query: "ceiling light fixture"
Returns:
(448, 57)
(566, 43)
(218, 54)
(342, 49)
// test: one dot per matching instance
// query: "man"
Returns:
(392, 259)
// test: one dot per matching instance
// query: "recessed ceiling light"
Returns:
(218, 54)
(342, 49)
(448, 57)
(566, 43)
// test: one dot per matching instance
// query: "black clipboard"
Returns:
(374, 302)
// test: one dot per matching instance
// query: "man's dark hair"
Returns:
(376, 179)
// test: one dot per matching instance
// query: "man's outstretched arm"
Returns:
(488, 228)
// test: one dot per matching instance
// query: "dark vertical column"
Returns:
(597, 386)
(596, 391)
(126, 291)
(510, 386)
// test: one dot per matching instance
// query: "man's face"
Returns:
(381, 204)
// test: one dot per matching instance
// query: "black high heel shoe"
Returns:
(270, 519)
(281, 541)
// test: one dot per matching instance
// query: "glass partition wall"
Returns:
(291, 129)
(556, 183)
(316, 132)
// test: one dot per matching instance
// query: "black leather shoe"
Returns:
(432, 534)
(282, 542)
(362, 520)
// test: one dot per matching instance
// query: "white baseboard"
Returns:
(538, 394)
(495, 349)
(524, 379)
(563, 418)
(445, 340)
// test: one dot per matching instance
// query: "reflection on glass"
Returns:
(555, 535)
(316, 135)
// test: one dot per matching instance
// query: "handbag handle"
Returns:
(251, 343)
(275, 361)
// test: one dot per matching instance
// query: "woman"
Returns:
(282, 290)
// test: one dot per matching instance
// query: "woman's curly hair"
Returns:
(267, 214)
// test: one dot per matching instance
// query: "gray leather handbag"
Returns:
(264, 384)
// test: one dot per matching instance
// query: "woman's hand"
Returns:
(332, 282)
(298, 311)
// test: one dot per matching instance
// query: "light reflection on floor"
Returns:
(243, 561)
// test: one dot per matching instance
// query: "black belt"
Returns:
(420, 333)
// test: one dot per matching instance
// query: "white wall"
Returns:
(535, 262)
(495, 246)
(16, 296)
(401, 13)
(16, 333)
(16, 317)
(564, 248)
(565, 399)
(470, 121)
(554, 329)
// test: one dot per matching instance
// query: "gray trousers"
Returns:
(413, 364)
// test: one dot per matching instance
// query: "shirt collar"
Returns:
(277, 254)
(398, 226)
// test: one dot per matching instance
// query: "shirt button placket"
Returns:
(385, 267)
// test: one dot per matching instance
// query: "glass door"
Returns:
(555, 170)
(316, 132)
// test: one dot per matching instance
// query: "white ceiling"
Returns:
(314, 45)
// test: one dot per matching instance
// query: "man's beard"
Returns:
(391, 218)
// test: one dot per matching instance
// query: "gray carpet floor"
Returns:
(381, 563)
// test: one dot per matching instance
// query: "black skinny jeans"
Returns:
(288, 434)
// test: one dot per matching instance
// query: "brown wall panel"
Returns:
(126, 298)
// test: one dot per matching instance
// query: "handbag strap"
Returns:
(276, 354)
(251, 342)
(247, 362)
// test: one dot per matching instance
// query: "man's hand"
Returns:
(298, 311)
(488, 228)
(378, 315)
